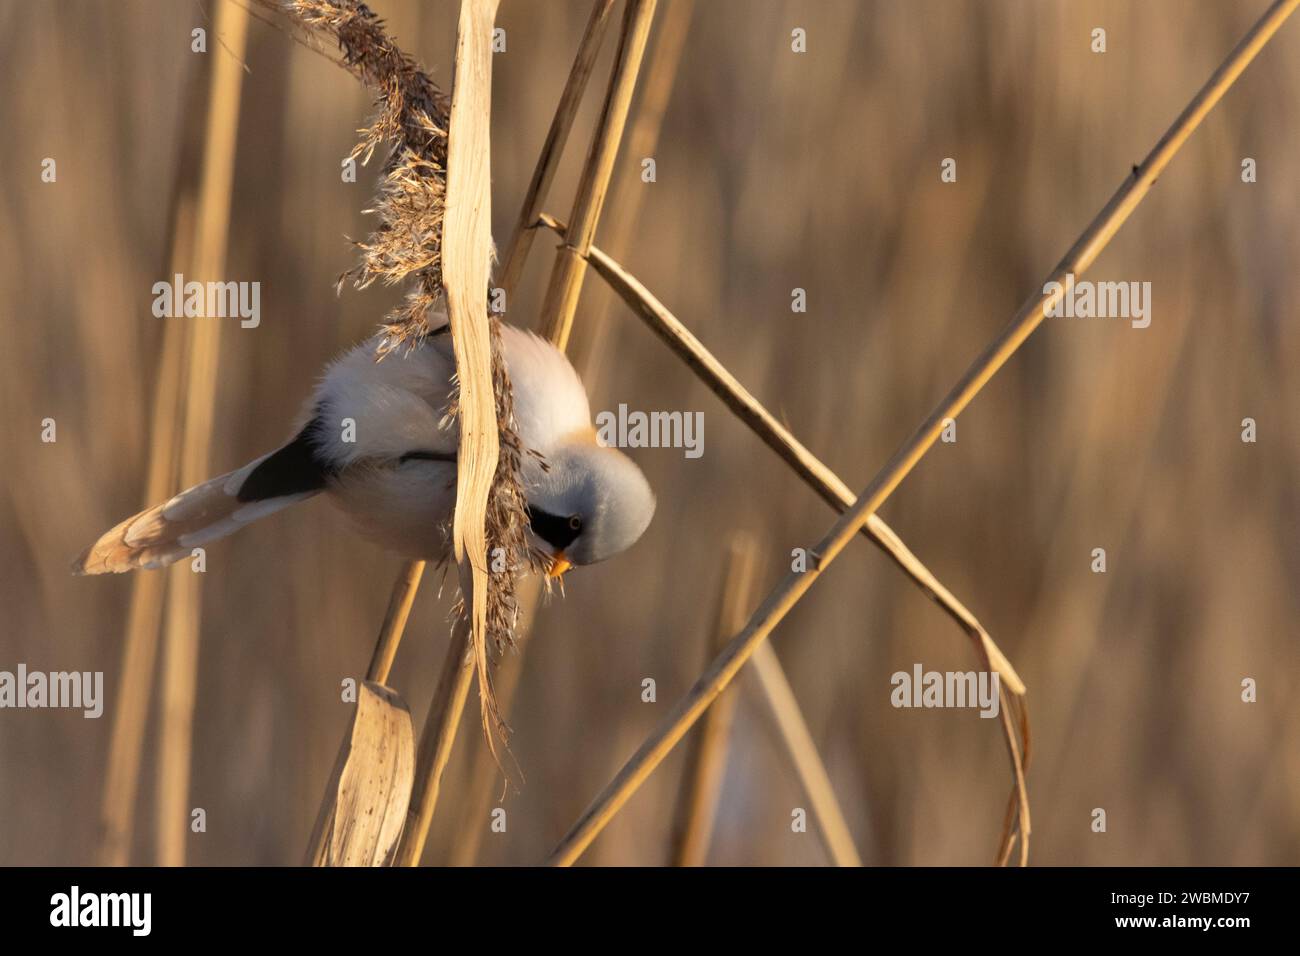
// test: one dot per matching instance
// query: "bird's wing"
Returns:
(384, 410)
(550, 401)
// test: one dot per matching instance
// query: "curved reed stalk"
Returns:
(1077, 260)
(831, 825)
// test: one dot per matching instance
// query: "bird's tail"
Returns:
(165, 533)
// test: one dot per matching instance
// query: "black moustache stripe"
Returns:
(552, 529)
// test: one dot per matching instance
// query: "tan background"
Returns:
(774, 171)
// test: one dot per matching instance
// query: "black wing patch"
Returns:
(293, 469)
(428, 456)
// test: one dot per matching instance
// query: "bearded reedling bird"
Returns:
(396, 478)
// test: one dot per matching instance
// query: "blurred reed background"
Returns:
(774, 171)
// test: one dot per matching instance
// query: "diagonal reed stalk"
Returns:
(444, 716)
(831, 825)
(436, 740)
(467, 837)
(184, 596)
(770, 613)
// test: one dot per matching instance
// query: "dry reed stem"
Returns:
(777, 437)
(184, 597)
(548, 161)
(371, 785)
(436, 741)
(706, 761)
(816, 782)
(565, 287)
(1079, 258)
(1016, 823)
(390, 632)
(628, 191)
(144, 616)
(477, 795)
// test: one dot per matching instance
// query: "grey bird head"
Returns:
(588, 504)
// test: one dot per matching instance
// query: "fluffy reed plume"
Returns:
(412, 116)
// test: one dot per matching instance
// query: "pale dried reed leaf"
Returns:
(374, 780)
(467, 242)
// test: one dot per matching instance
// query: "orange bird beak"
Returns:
(559, 564)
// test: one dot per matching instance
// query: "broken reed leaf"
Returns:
(467, 240)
